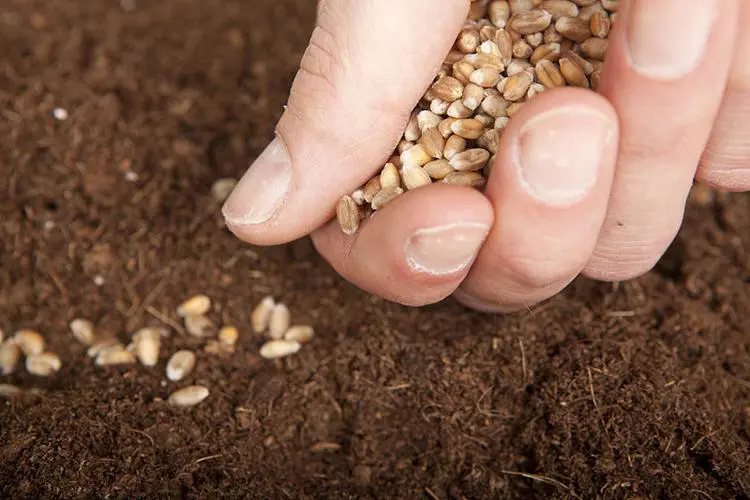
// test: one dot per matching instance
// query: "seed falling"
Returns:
(506, 54)
(222, 188)
(111, 357)
(8, 391)
(300, 333)
(180, 365)
(274, 349)
(31, 342)
(279, 321)
(10, 355)
(189, 396)
(228, 335)
(83, 330)
(197, 305)
(262, 314)
(199, 326)
(43, 365)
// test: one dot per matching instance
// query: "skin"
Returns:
(660, 129)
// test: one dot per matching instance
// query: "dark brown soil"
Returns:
(636, 390)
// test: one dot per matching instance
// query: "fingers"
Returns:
(417, 249)
(549, 189)
(665, 74)
(726, 161)
(368, 63)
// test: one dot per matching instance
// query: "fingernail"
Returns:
(445, 249)
(559, 153)
(668, 38)
(262, 189)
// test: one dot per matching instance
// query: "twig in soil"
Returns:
(702, 493)
(154, 292)
(591, 389)
(142, 433)
(541, 479)
(398, 387)
(431, 493)
(165, 319)
(620, 314)
(705, 437)
(523, 362)
(56, 280)
(210, 457)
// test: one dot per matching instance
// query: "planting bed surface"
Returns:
(637, 390)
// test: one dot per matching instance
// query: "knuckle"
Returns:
(319, 69)
(533, 273)
(622, 261)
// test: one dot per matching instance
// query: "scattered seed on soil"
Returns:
(262, 314)
(189, 396)
(274, 349)
(103, 345)
(300, 333)
(10, 355)
(180, 365)
(506, 53)
(197, 305)
(8, 390)
(31, 342)
(279, 321)
(147, 345)
(44, 364)
(228, 335)
(222, 188)
(199, 326)
(110, 357)
(83, 330)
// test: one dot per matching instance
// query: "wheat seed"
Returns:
(180, 365)
(103, 345)
(300, 333)
(30, 341)
(147, 344)
(278, 323)
(199, 326)
(385, 196)
(415, 177)
(43, 365)
(222, 188)
(262, 314)
(274, 349)
(228, 335)
(189, 396)
(115, 356)
(82, 330)
(10, 355)
(438, 169)
(197, 305)
(348, 214)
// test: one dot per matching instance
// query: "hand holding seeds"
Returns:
(463, 152)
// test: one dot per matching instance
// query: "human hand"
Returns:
(582, 183)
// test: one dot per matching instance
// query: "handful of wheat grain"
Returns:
(507, 53)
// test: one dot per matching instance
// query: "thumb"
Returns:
(367, 65)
